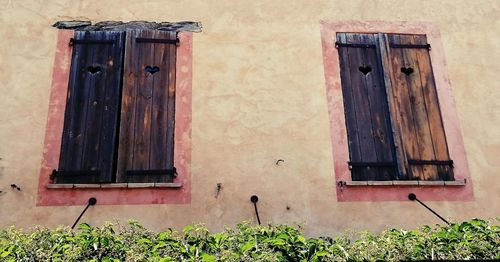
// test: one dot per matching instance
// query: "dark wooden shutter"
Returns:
(417, 106)
(147, 116)
(91, 116)
(366, 111)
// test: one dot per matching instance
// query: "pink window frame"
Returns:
(338, 128)
(113, 196)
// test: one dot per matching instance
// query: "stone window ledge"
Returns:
(116, 185)
(405, 183)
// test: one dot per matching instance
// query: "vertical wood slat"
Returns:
(394, 112)
(421, 122)
(127, 114)
(146, 128)
(85, 146)
(379, 111)
(349, 108)
(171, 101)
(143, 104)
(93, 107)
(433, 111)
(111, 111)
(403, 94)
(70, 150)
(367, 116)
(162, 138)
(362, 107)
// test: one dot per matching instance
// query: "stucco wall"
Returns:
(258, 96)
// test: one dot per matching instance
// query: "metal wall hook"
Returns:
(92, 201)
(413, 197)
(254, 199)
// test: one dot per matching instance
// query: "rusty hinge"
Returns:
(73, 41)
(153, 172)
(337, 45)
(431, 162)
(65, 173)
(370, 164)
(157, 41)
(426, 46)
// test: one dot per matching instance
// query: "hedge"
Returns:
(474, 239)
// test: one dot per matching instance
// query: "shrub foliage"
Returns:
(475, 239)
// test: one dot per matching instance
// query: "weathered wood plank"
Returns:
(362, 106)
(159, 108)
(377, 99)
(163, 106)
(394, 112)
(172, 49)
(77, 111)
(400, 84)
(110, 112)
(143, 105)
(127, 112)
(432, 108)
(422, 131)
(349, 107)
(80, 106)
(94, 105)
(70, 156)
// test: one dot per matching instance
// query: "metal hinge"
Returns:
(157, 41)
(73, 41)
(337, 45)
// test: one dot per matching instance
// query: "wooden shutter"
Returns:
(91, 116)
(365, 102)
(417, 107)
(147, 116)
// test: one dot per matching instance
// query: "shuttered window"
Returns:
(394, 124)
(119, 118)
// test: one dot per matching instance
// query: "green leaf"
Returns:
(247, 246)
(207, 257)
(144, 241)
(301, 239)
(283, 236)
(84, 226)
(321, 253)
(188, 228)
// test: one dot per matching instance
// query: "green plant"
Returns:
(475, 239)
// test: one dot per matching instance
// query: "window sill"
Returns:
(118, 185)
(405, 183)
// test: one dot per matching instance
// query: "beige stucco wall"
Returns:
(258, 96)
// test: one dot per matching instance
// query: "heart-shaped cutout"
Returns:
(94, 69)
(365, 69)
(152, 69)
(407, 70)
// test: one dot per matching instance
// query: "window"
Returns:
(389, 183)
(392, 114)
(119, 116)
(178, 192)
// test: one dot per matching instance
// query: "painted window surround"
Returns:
(347, 190)
(174, 193)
